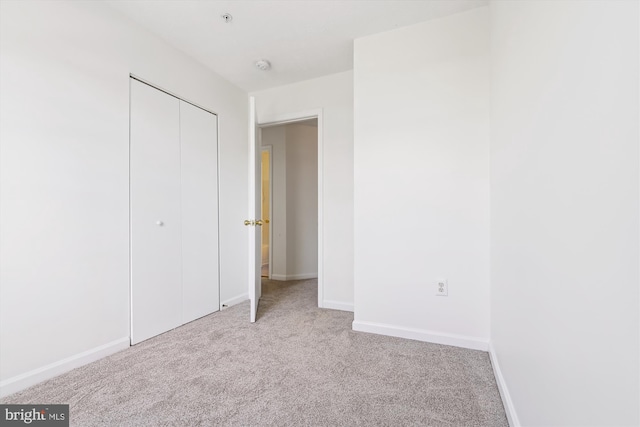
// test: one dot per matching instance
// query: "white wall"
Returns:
(302, 201)
(64, 293)
(421, 186)
(334, 95)
(564, 210)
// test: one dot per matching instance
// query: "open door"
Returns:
(254, 222)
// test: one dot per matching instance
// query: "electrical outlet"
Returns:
(442, 288)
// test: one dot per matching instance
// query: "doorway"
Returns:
(256, 128)
(290, 200)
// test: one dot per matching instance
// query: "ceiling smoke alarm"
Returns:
(227, 18)
(263, 65)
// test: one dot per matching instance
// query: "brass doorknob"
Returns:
(259, 222)
(248, 222)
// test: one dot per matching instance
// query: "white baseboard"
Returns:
(512, 416)
(233, 301)
(472, 343)
(337, 305)
(23, 381)
(285, 277)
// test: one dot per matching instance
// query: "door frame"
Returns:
(269, 148)
(288, 118)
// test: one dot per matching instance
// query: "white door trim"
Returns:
(281, 119)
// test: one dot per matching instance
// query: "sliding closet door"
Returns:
(199, 166)
(155, 212)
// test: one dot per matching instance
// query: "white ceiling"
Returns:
(302, 39)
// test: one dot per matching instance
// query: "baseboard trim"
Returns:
(285, 277)
(23, 381)
(233, 301)
(472, 343)
(337, 305)
(509, 408)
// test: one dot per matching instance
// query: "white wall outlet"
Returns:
(442, 288)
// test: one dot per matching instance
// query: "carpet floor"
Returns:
(298, 365)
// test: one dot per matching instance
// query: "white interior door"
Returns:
(155, 212)
(253, 222)
(199, 207)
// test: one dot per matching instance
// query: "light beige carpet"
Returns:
(297, 366)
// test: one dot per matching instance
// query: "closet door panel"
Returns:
(199, 168)
(155, 212)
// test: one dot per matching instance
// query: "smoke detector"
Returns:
(227, 18)
(263, 65)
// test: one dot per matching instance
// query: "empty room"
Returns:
(320, 213)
